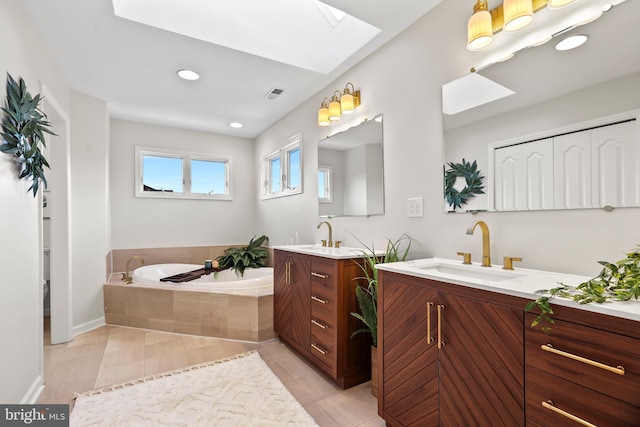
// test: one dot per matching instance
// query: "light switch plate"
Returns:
(415, 207)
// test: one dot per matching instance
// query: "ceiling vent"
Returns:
(273, 93)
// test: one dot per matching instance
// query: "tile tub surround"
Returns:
(117, 258)
(247, 318)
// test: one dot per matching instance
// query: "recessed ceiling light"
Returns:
(607, 7)
(572, 42)
(236, 125)
(188, 74)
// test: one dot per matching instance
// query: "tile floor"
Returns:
(112, 354)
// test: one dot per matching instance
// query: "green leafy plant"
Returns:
(474, 185)
(239, 259)
(23, 128)
(618, 281)
(367, 296)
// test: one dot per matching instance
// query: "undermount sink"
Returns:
(471, 272)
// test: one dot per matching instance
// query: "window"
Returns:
(282, 170)
(325, 194)
(175, 174)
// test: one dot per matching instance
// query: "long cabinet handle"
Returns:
(440, 342)
(315, 322)
(287, 273)
(320, 300)
(320, 275)
(430, 339)
(318, 349)
(549, 405)
(615, 369)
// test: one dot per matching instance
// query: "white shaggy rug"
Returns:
(238, 391)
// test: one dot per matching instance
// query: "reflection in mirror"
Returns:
(350, 171)
(557, 95)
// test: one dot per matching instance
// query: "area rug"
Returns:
(238, 391)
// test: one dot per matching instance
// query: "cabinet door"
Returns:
(300, 302)
(481, 364)
(614, 165)
(572, 170)
(409, 363)
(281, 295)
(508, 164)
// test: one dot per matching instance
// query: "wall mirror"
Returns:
(559, 93)
(350, 171)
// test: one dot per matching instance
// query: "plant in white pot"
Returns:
(367, 296)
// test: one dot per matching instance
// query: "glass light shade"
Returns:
(323, 116)
(557, 4)
(346, 103)
(479, 30)
(334, 109)
(517, 14)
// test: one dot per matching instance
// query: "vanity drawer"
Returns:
(322, 347)
(322, 324)
(572, 400)
(606, 362)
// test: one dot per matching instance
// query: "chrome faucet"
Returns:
(126, 277)
(486, 251)
(330, 243)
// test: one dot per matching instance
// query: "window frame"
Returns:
(283, 153)
(327, 171)
(186, 158)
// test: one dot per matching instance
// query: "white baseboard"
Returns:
(89, 326)
(34, 391)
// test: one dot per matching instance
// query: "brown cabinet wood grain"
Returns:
(313, 300)
(450, 355)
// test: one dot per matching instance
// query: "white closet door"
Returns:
(614, 168)
(537, 175)
(507, 173)
(572, 170)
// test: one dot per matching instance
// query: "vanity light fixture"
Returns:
(350, 99)
(344, 102)
(323, 113)
(188, 74)
(517, 14)
(335, 111)
(479, 27)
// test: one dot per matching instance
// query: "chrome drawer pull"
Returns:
(549, 405)
(315, 322)
(321, 301)
(315, 347)
(616, 370)
(322, 276)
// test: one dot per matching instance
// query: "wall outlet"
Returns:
(414, 207)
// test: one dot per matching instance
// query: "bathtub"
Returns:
(255, 281)
(225, 306)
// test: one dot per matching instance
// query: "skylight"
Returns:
(306, 33)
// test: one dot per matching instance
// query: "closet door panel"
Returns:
(572, 170)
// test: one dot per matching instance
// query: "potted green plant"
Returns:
(23, 129)
(367, 296)
(239, 259)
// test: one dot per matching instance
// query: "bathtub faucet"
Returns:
(126, 277)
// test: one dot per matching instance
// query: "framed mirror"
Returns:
(351, 171)
(559, 93)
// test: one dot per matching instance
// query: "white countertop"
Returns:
(343, 252)
(520, 282)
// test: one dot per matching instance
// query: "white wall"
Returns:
(150, 222)
(20, 218)
(403, 81)
(90, 207)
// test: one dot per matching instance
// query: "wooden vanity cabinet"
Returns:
(582, 371)
(313, 300)
(448, 355)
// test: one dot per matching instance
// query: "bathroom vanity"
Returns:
(314, 295)
(456, 348)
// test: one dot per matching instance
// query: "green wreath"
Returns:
(471, 174)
